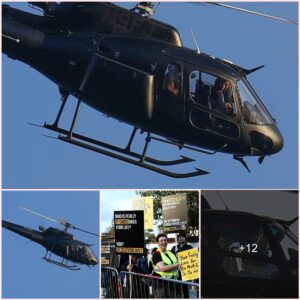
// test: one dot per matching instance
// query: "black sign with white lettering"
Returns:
(129, 231)
(175, 212)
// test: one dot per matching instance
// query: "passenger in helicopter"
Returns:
(221, 97)
(173, 79)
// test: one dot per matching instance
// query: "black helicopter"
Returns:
(59, 242)
(175, 95)
(247, 256)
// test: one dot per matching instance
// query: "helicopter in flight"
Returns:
(173, 94)
(59, 242)
(257, 260)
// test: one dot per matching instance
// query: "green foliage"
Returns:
(111, 229)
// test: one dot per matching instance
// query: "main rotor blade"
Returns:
(38, 214)
(62, 222)
(254, 12)
(85, 231)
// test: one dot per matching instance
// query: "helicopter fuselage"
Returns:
(245, 255)
(127, 74)
(58, 242)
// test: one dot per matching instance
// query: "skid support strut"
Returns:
(60, 264)
(148, 140)
(127, 148)
(64, 98)
(122, 153)
(75, 117)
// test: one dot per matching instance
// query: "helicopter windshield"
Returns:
(288, 241)
(88, 251)
(85, 250)
(254, 111)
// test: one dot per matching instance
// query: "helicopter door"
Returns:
(120, 89)
(212, 108)
(170, 106)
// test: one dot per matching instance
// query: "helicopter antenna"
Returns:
(197, 47)
(156, 7)
(254, 12)
(226, 207)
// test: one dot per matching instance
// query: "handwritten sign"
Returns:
(189, 260)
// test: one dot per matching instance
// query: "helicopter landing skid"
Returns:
(134, 159)
(61, 264)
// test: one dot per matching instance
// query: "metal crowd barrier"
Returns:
(136, 285)
(110, 283)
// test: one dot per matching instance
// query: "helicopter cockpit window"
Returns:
(194, 85)
(247, 252)
(253, 110)
(287, 240)
(240, 267)
(88, 250)
(172, 79)
(249, 239)
(83, 250)
(212, 92)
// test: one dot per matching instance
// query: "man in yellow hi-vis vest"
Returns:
(165, 265)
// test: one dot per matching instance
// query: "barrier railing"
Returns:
(110, 283)
(135, 285)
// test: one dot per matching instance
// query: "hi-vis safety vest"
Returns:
(167, 260)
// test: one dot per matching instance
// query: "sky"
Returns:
(112, 201)
(24, 273)
(30, 160)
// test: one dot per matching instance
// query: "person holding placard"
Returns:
(165, 265)
(182, 246)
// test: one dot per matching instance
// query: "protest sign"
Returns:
(129, 231)
(175, 212)
(189, 260)
(145, 204)
(105, 255)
